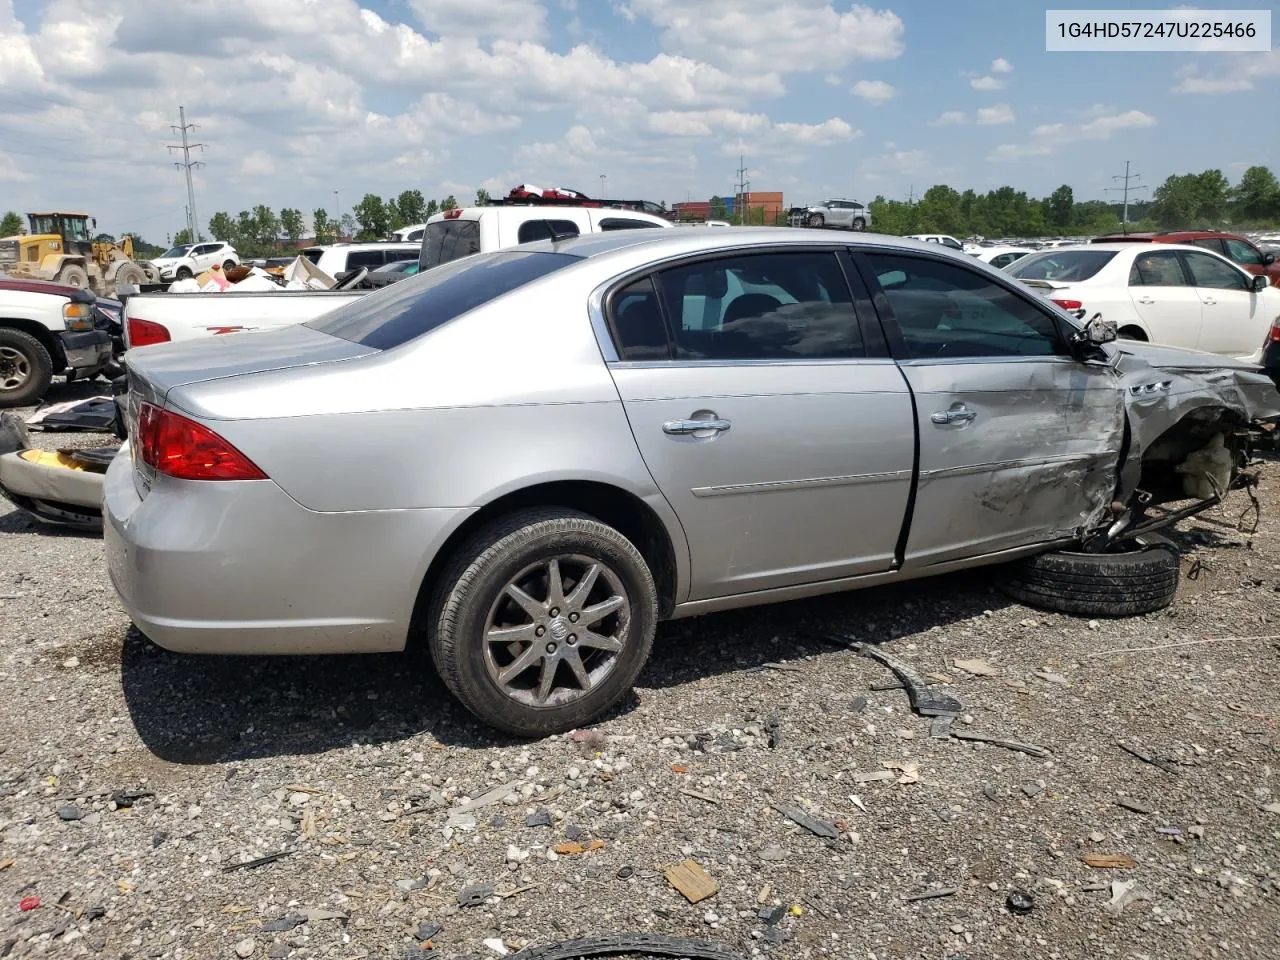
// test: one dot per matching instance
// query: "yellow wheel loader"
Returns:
(61, 248)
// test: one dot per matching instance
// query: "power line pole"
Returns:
(741, 186)
(187, 164)
(1124, 217)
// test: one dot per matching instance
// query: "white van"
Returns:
(466, 230)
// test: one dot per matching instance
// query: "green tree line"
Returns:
(1184, 201)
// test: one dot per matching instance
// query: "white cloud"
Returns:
(1242, 72)
(898, 161)
(706, 123)
(1213, 85)
(874, 91)
(257, 164)
(950, 118)
(986, 83)
(832, 80)
(834, 130)
(510, 19)
(1001, 113)
(1048, 137)
(784, 35)
(1001, 65)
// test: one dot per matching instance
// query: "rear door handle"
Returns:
(682, 428)
(959, 413)
(1146, 300)
(1209, 301)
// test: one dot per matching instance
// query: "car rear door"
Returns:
(1164, 299)
(1019, 441)
(770, 417)
(1233, 319)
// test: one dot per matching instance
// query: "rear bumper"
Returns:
(241, 568)
(90, 350)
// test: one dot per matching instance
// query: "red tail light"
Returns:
(1068, 305)
(184, 449)
(143, 333)
(1274, 335)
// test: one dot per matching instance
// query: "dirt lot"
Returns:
(355, 769)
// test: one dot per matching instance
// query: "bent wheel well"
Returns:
(44, 335)
(1132, 333)
(623, 511)
(1162, 458)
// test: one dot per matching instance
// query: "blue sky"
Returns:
(298, 98)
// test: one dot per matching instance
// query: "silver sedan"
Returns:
(526, 459)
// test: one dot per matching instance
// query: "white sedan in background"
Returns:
(1000, 257)
(1178, 295)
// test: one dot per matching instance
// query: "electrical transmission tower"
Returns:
(742, 186)
(1124, 217)
(187, 164)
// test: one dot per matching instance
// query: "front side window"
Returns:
(448, 240)
(402, 311)
(1242, 253)
(771, 306)
(1207, 271)
(946, 310)
(532, 230)
(1159, 268)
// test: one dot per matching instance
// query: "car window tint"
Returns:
(416, 305)
(1003, 260)
(638, 330)
(1157, 268)
(1241, 252)
(1207, 271)
(532, 230)
(1209, 243)
(448, 240)
(947, 310)
(1068, 266)
(365, 258)
(622, 223)
(774, 306)
(950, 243)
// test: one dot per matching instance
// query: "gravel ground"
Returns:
(355, 769)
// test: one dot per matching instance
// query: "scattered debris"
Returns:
(1020, 902)
(692, 881)
(508, 894)
(1271, 807)
(1050, 677)
(69, 813)
(934, 894)
(625, 873)
(858, 705)
(989, 792)
(773, 730)
(679, 768)
(541, 818)
(245, 948)
(1137, 806)
(977, 668)
(474, 895)
(1184, 643)
(1109, 861)
(642, 943)
(1164, 765)
(797, 814)
(6, 863)
(259, 861)
(124, 799)
(282, 925)
(1033, 790)
(488, 798)
(700, 796)
(881, 686)
(497, 946)
(1028, 748)
(909, 769)
(871, 776)
(1123, 893)
(924, 700)
(573, 848)
(940, 729)
(427, 931)
(27, 904)
(783, 667)
(773, 854)
(772, 915)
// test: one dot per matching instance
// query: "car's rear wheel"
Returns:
(542, 621)
(184, 273)
(859, 223)
(1138, 579)
(26, 369)
(228, 265)
(816, 220)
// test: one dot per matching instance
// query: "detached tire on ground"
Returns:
(542, 621)
(1124, 584)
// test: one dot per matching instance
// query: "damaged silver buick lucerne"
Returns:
(527, 458)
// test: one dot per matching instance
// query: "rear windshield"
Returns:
(418, 304)
(1069, 266)
(447, 240)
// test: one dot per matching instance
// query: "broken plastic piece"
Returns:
(1028, 748)
(924, 701)
(628, 943)
(815, 825)
(475, 895)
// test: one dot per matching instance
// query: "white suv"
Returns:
(848, 214)
(336, 259)
(467, 230)
(193, 259)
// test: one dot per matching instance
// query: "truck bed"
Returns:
(189, 316)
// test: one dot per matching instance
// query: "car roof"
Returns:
(1126, 247)
(548, 212)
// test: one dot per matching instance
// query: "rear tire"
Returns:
(26, 369)
(1139, 580)
(129, 273)
(473, 602)
(183, 273)
(859, 224)
(73, 275)
(816, 220)
(228, 265)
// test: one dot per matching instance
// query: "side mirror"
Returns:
(1095, 333)
(1261, 282)
(1268, 259)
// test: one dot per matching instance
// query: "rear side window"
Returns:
(403, 311)
(1159, 268)
(532, 230)
(623, 223)
(365, 258)
(448, 240)
(1209, 243)
(638, 328)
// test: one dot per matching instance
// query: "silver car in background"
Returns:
(527, 458)
(846, 214)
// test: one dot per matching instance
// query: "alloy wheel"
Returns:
(15, 368)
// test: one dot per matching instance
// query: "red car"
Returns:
(1229, 245)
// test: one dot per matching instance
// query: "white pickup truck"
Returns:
(47, 329)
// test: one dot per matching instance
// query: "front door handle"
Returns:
(1209, 301)
(683, 428)
(957, 414)
(1146, 300)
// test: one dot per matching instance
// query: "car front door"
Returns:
(1019, 441)
(776, 426)
(841, 213)
(1164, 299)
(1233, 321)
